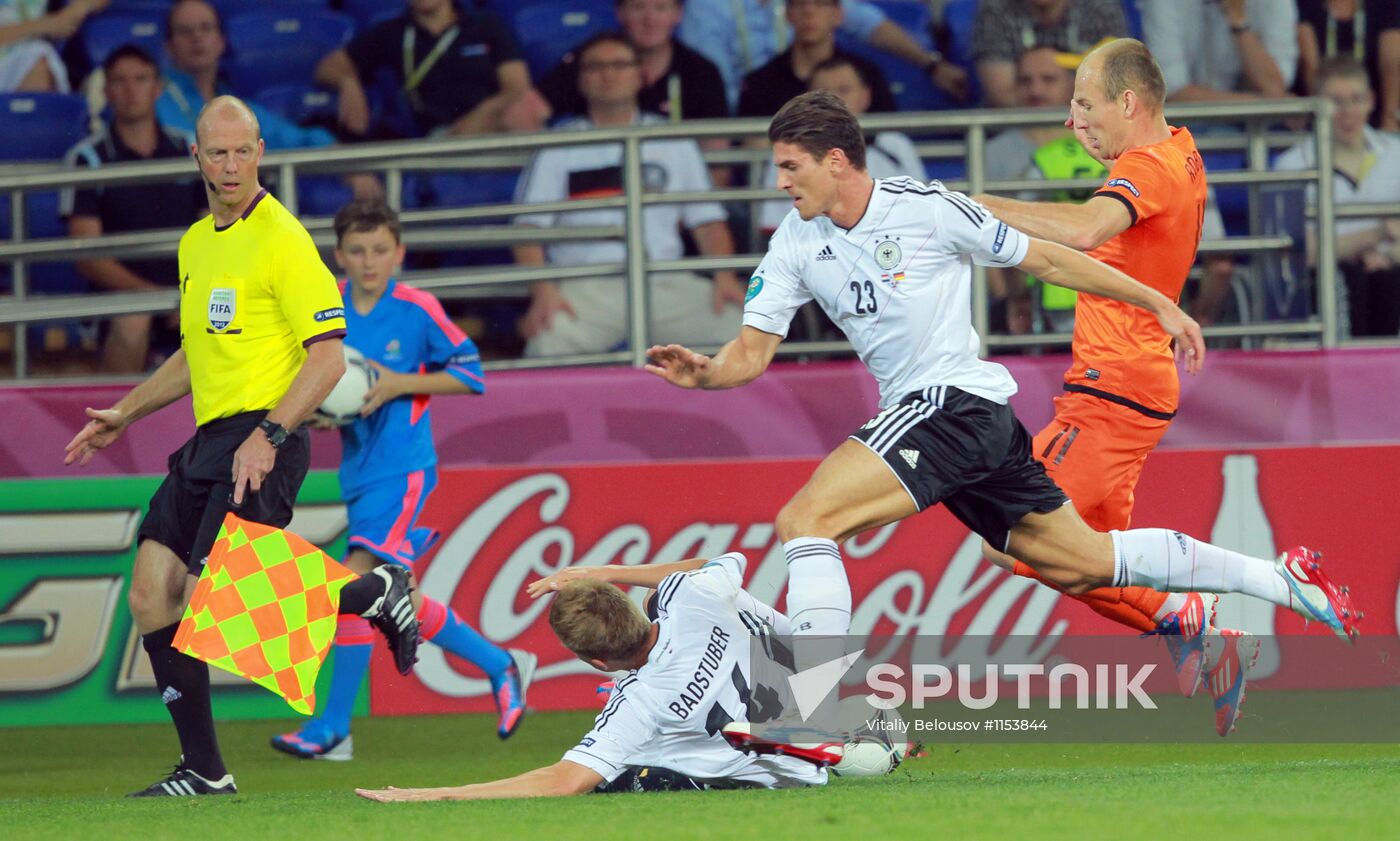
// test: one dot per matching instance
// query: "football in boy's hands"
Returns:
(342, 406)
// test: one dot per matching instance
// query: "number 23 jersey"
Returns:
(898, 284)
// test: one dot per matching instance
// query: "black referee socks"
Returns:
(183, 683)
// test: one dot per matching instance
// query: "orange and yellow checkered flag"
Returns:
(265, 608)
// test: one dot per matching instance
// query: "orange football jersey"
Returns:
(1119, 349)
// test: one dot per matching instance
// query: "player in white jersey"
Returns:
(688, 677)
(890, 263)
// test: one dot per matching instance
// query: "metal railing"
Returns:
(460, 227)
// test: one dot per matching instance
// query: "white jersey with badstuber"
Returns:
(669, 713)
(898, 284)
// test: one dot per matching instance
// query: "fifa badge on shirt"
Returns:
(223, 304)
(887, 254)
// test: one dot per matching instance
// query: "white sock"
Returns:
(1173, 562)
(819, 596)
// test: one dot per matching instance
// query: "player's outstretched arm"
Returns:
(1062, 266)
(561, 779)
(645, 575)
(737, 363)
(169, 383)
(1080, 226)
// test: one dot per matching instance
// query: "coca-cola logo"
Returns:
(920, 594)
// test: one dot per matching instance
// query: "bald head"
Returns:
(227, 113)
(1125, 64)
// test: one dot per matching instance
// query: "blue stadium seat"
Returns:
(322, 195)
(1134, 16)
(40, 126)
(42, 221)
(912, 89)
(550, 29)
(303, 104)
(229, 8)
(1232, 199)
(458, 189)
(946, 169)
(369, 12)
(912, 16)
(160, 7)
(959, 16)
(105, 33)
(271, 48)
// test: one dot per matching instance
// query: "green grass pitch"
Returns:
(67, 783)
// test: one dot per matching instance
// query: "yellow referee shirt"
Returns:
(253, 296)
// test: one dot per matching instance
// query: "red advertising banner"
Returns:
(505, 527)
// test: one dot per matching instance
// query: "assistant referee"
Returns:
(261, 322)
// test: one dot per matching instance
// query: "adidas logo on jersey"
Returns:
(170, 695)
(826, 254)
(911, 458)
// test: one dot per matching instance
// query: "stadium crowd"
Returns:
(93, 82)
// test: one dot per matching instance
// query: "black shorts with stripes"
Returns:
(967, 452)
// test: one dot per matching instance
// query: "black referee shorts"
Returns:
(189, 506)
(969, 453)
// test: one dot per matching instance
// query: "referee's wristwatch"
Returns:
(276, 433)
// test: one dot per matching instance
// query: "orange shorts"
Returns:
(1095, 450)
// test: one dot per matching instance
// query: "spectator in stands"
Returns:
(677, 82)
(132, 133)
(814, 24)
(1366, 170)
(194, 40)
(1004, 29)
(458, 70)
(28, 61)
(887, 153)
(1044, 79)
(590, 315)
(740, 36)
(1367, 30)
(1223, 49)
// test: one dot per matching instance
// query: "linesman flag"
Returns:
(265, 608)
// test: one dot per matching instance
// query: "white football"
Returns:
(874, 752)
(342, 405)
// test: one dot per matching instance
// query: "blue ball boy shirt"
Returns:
(407, 332)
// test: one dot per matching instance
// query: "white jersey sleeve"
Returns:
(966, 227)
(777, 289)
(688, 174)
(621, 733)
(543, 181)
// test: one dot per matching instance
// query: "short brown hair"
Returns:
(1342, 67)
(818, 121)
(365, 216)
(596, 621)
(1129, 66)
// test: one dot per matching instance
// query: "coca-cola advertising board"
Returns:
(505, 527)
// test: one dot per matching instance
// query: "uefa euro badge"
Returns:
(887, 254)
(223, 304)
(755, 287)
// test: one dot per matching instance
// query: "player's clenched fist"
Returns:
(678, 365)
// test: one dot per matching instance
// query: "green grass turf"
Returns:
(67, 783)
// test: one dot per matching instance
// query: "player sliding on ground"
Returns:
(642, 740)
(890, 262)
